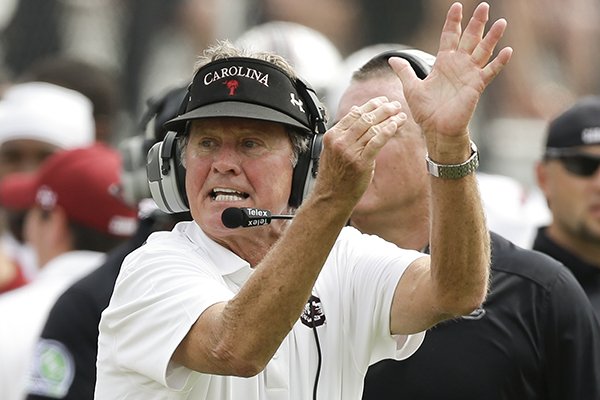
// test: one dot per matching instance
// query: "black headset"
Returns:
(420, 61)
(166, 174)
(134, 149)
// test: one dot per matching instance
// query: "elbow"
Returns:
(459, 300)
(467, 306)
(239, 363)
(247, 369)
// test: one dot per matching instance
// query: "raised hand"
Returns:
(350, 147)
(445, 101)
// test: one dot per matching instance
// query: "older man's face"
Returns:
(236, 162)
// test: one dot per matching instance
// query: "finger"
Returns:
(474, 30)
(452, 29)
(382, 134)
(357, 111)
(369, 123)
(493, 68)
(485, 48)
(405, 72)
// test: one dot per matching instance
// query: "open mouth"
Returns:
(223, 194)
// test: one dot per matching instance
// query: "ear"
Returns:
(48, 233)
(56, 228)
(541, 175)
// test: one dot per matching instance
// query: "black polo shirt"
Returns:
(588, 275)
(534, 338)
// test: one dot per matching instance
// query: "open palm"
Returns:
(445, 101)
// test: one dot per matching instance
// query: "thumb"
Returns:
(404, 71)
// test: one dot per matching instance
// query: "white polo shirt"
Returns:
(23, 313)
(166, 284)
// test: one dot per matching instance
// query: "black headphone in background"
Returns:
(420, 61)
(134, 149)
(166, 174)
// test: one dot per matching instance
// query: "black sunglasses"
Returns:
(577, 163)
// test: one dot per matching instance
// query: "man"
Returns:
(74, 218)
(534, 337)
(569, 177)
(73, 320)
(99, 84)
(36, 120)
(209, 312)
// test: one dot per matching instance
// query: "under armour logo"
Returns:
(297, 102)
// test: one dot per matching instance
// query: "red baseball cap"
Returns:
(84, 182)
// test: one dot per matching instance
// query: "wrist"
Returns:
(454, 170)
(449, 149)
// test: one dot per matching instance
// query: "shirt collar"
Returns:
(224, 259)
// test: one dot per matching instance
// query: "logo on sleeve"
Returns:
(313, 314)
(52, 370)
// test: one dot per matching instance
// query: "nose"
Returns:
(227, 160)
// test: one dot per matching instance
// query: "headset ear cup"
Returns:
(180, 177)
(166, 175)
(313, 167)
(305, 171)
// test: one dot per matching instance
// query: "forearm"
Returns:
(241, 336)
(460, 254)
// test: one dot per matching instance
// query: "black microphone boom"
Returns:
(246, 217)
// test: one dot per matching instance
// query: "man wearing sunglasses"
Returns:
(569, 176)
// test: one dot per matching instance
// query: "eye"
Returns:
(250, 143)
(207, 143)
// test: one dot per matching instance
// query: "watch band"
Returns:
(454, 171)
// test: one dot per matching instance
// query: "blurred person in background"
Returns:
(535, 336)
(569, 177)
(74, 217)
(511, 209)
(64, 364)
(36, 120)
(127, 37)
(98, 84)
(338, 20)
(314, 57)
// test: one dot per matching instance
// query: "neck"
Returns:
(406, 230)
(253, 243)
(586, 248)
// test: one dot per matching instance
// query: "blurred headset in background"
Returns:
(134, 150)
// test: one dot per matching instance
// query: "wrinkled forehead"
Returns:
(235, 124)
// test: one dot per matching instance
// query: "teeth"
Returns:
(221, 197)
(224, 194)
(225, 190)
